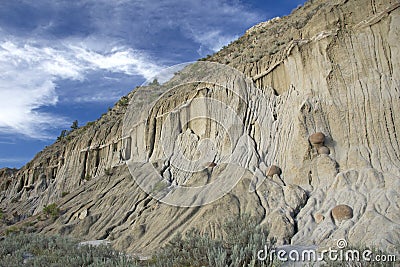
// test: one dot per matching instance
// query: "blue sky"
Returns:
(63, 60)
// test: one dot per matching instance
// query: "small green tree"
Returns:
(62, 135)
(52, 210)
(74, 125)
(107, 171)
(124, 101)
(154, 82)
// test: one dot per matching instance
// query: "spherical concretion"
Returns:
(317, 138)
(323, 150)
(273, 169)
(83, 214)
(342, 212)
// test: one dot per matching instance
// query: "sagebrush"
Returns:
(243, 238)
(39, 250)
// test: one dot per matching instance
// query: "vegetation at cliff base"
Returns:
(244, 237)
(40, 250)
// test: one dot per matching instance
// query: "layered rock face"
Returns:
(240, 131)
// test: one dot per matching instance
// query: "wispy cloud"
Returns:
(212, 40)
(118, 59)
(29, 74)
(99, 97)
(7, 142)
(223, 21)
(208, 24)
(12, 160)
(213, 36)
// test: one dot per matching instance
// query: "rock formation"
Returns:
(317, 139)
(274, 170)
(329, 67)
(342, 212)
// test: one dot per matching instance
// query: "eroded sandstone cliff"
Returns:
(329, 67)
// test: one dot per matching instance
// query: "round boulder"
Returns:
(342, 212)
(83, 214)
(317, 138)
(323, 150)
(272, 170)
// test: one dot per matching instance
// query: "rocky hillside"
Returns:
(297, 125)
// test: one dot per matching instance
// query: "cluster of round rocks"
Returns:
(339, 212)
(317, 141)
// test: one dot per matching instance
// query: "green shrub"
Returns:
(52, 210)
(40, 250)
(74, 125)
(12, 230)
(154, 83)
(107, 171)
(124, 101)
(63, 194)
(88, 177)
(205, 58)
(243, 239)
(90, 123)
(29, 224)
(62, 135)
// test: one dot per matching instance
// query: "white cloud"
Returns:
(29, 74)
(120, 60)
(7, 143)
(99, 97)
(23, 91)
(213, 40)
(222, 18)
(13, 160)
(211, 24)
